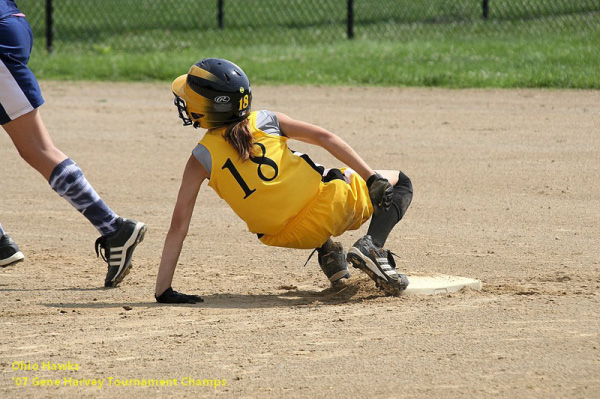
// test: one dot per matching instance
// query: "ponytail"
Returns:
(239, 136)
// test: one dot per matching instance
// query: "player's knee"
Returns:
(404, 183)
(403, 193)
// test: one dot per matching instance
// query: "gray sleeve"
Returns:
(203, 156)
(267, 122)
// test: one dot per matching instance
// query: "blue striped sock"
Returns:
(68, 181)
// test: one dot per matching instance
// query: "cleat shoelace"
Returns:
(101, 245)
(390, 257)
(310, 256)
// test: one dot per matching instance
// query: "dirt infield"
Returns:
(506, 191)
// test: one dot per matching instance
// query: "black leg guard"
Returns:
(383, 223)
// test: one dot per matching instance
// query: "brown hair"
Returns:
(239, 136)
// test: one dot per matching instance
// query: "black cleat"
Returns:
(118, 249)
(334, 264)
(378, 264)
(9, 251)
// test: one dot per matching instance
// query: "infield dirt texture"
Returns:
(506, 191)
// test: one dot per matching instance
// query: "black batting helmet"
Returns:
(215, 92)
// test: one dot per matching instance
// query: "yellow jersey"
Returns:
(267, 190)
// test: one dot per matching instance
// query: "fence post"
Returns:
(220, 13)
(485, 5)
(350, 19)
(49, 26)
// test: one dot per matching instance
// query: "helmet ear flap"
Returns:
(182, 109)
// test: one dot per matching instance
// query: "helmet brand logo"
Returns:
(222, 99)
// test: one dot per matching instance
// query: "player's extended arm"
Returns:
(380, 190)
(193, 176)
(334, 144)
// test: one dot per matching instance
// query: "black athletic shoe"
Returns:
(9, 251)
(118, 249)
(378, 264)
(334, 264)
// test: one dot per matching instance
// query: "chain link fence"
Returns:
(160, 25)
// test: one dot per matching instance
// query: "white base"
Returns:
(439, 284)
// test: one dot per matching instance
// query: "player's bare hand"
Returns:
(172, 296)
(381, 192)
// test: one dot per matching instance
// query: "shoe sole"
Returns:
(130, 245)
(18, 257)
(342, 274)
(365, 264)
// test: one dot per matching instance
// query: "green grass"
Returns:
(560, 60)
(407, 43)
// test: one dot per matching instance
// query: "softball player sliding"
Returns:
(20, 97)
(282, 195)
